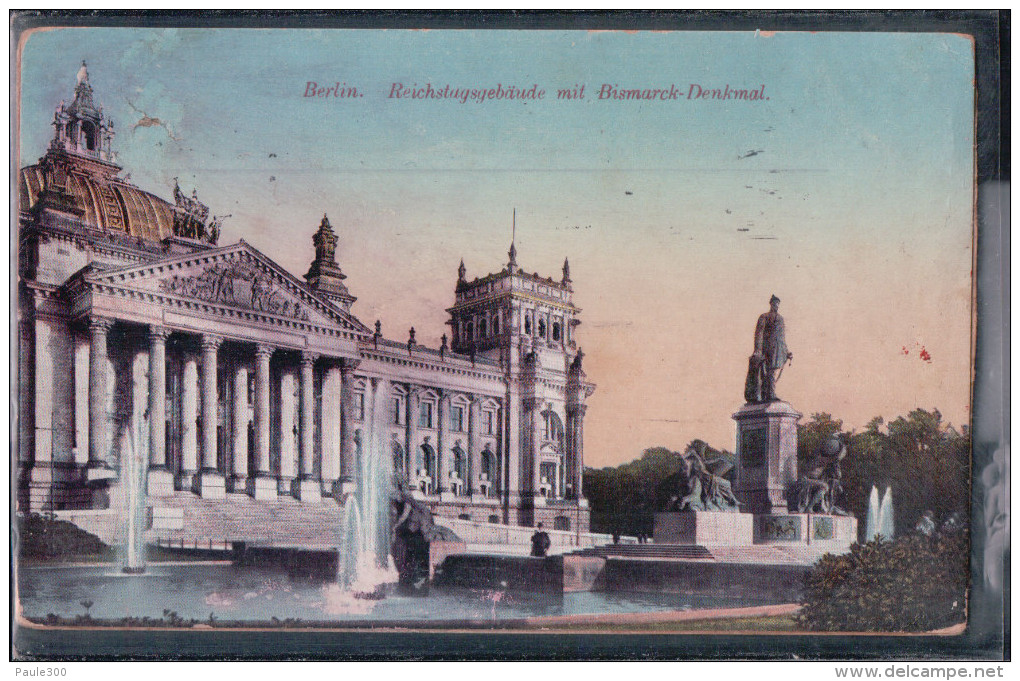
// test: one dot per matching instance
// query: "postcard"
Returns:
(325, 332)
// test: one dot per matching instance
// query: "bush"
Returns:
(915, 583)
(44, 538)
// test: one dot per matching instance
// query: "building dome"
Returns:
(100, 201)
(77, 182)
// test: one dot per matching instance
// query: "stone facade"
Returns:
(243, 382)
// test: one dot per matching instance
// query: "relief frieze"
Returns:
(236, 284)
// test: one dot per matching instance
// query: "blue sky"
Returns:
(856, 208)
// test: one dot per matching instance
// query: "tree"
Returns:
(925, 462)
(625, 498)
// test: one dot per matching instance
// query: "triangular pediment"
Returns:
(238, 277)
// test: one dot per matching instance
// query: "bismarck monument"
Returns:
(768, 502)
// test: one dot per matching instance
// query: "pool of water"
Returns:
(232, 593)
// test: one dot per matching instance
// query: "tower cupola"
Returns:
(80, 127)
(324, 276)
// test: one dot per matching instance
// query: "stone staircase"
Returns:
(662, 551)
(207, 523)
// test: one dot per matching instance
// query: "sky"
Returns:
(847, 191)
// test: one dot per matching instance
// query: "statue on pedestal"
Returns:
(770, 356)
(702, 486)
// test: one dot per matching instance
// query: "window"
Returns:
(527, 324)
(481, 328)
(457, 419)
(469, 331)
(490, 422)
(541, 328)
(561, 522)
(552, 427)
(359, 406)
(494, 519)
(458, 463)
(495, 326)
(556, 331)
(398, 411)
(425, 418)
(487, 464)
(464, 516)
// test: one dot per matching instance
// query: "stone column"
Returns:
(329, 429)
(262, 487)
(307, 488)
(411, 408)
(347, 451)
(443, 458)
(288, 455)
(210, 482)
(379, 424)
(189, 423)
(161, 482)
(474, 462)
(99, 467)
(535, 445)
(239, 429)
(577, 472)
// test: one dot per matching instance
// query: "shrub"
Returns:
(915, 583)
(45, 538)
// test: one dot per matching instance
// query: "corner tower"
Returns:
(528, 322)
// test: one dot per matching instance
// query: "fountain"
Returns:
(132, 472)
(885, 516)
(871, 526)
(364, 564)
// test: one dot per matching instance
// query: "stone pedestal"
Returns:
(836, 532)
(98, 473)
(262, 488)
(210, 485)
(160, 483)
(766, 456)
(308, 490)
(703, 528)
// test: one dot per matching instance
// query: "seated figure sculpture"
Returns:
(822, 481)
(701, 484)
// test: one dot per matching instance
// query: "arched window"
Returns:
(556, 331)
(488, 461)
(428, 460)
(481, 328)
(469, 331)
(495, 326)
(458, 462)
(527, 324)
(541, 328)
(552, 427)
(88, 131)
